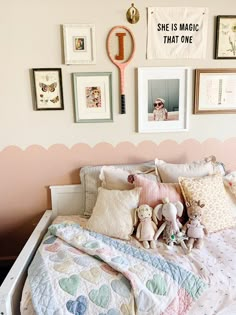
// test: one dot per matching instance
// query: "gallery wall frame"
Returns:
(225, 37)
(79, 43)
(93, 97)
(48, 90)
(166, 85)
(215, 91)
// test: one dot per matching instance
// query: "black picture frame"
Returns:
(225, 47)
(48, 90)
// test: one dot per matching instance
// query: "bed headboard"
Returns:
(67, 200)
(80, 199)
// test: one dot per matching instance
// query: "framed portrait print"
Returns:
(93, 97)
(162, 99)
(215, 91)
(79, 43)
(48, 89)
(225, 37)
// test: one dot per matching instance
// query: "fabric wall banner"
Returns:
(177, 32)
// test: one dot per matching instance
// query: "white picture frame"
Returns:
(93, 97)
(169, 87)
(79, 43)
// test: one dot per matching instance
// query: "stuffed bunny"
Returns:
(171, 226)
(146, 228)
(194, 229)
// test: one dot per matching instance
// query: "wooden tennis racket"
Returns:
(120, 49)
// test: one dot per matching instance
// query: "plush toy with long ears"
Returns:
(171, 225)
(146, 228)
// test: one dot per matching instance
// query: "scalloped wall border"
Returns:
(26, 174)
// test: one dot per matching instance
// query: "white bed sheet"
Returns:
(215, 263)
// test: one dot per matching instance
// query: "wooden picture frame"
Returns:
(225, 37)
(93, 97)
(48, 89)
(215, 91)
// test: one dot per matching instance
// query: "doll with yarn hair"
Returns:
(194, 228)
(146, 228)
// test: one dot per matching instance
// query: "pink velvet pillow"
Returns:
(152, 192)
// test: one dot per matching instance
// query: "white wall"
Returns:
(31, 37)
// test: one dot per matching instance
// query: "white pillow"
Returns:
(115, 178)
(89, 176)
(169, 173)
(113, 212)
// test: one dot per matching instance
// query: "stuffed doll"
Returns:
(146, 228)
(171, 226)
(230, 181)
(193, 228)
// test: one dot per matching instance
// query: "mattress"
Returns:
(215, 263)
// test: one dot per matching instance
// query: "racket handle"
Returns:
(122, 109)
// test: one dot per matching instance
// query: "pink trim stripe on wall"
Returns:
(26, 175)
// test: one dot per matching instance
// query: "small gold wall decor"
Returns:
(132, 14)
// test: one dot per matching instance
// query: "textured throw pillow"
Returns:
(217, 213)
(116, 178)
(169, 173)
(152, 192)
(113, 212)
(89, 176)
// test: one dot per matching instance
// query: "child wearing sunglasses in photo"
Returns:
(159, 111)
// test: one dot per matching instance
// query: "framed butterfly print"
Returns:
(225, 37)
(79, 43)
(93, 97)
(48, 89)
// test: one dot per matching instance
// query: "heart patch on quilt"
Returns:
(157, 285)
(144, 303)
(59, 257)
(80, 239)
(120, 261)
(77, 307)
(92, 245)
(53, 248)
(65, 267)
(105, 251)
(84, 261)
(50, 240)
(70, 285)
(126, 309)
(101, 297)
(76, 251)
(121, 287)
(109, 269)
(92, 275)
(138, 270)
(112, 311)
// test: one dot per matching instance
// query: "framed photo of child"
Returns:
(162, 99)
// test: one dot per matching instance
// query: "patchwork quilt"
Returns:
(76, 271)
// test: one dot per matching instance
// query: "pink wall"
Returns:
(26, 175)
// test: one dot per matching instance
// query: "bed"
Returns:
(202, 282)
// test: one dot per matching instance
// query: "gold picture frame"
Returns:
(215, 91)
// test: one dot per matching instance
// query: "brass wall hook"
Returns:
(132, 14)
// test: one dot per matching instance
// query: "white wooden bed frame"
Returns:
(66, 200)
